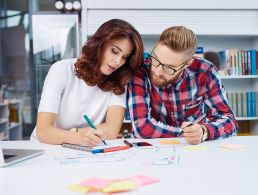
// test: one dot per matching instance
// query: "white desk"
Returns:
(214, 171)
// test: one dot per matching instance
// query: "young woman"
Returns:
(94, 84)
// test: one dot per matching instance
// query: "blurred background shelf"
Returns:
(10, 120)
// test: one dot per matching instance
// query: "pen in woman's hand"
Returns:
(192, 123)
(93, 126)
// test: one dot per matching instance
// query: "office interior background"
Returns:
(36, 33)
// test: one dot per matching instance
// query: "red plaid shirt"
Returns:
(159, 111)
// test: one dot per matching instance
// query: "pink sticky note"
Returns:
(96, 182)
(231, 146)
(144, 180)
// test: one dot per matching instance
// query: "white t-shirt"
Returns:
(70, 98)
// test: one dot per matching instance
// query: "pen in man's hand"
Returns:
(192, 123)
(92, 126)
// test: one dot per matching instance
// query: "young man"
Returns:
(178, 94)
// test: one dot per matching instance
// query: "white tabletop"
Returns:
(212, 171)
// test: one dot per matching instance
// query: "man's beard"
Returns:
(158, 81)
(161, 81)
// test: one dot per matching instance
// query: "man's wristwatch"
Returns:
(204, 133)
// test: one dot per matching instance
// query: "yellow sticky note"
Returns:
(79, 188)
(120, 186)
(195, 147)
(169, 141)
(231, 146)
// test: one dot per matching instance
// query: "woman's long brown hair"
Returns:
(87, 66)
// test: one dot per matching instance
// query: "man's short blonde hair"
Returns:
(178, 39)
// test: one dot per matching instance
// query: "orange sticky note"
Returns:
(169, 141)
(231, 146)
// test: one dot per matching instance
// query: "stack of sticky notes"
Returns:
(112, 185)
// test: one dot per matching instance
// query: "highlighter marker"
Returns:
(117, 148)
(112, 149)
(92, 125)
(95, 151)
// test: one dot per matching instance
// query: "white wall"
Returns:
(218, 24)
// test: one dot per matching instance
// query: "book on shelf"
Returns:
(238, 62)
(249, 104)
(239, 105)
(242, 53)
(253, 61)
(234, 103)
(256, 61)
(243, 104)
(248, 56)
(253, 104)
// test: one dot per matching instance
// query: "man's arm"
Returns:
(139, 104)
(222, 122)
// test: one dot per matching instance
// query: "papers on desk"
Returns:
(135, 154)
(90, 158)
(112, 185)
(155, 157)
(163, 153)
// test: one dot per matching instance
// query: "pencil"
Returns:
(92, 126)
(192, 123)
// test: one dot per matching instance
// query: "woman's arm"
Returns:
(47, 133)
(114, 122)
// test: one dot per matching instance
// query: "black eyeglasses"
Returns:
(167, 68)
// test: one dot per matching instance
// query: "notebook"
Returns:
(11, 156)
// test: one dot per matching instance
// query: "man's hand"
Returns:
(193, 134)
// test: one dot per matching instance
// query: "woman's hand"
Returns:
(90, 137)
